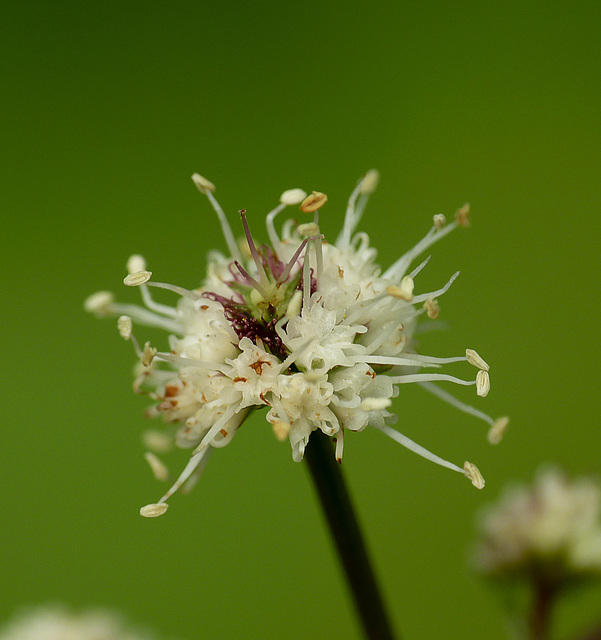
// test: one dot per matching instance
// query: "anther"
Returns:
(137, 278)
(404, 292)
(482, 383)
(308, 229)
(157, 441)
(474, 358)
(202, 184)
(314, 201)
(432, 308)
(148, 354)
(497, 430)
(439, 221)
(462, 217)
(374, 404)
(281, 430)
(370, 182)
(154, 510)
(124, 326)
(136, 263)
(473, 474)
(99, 302)
(159, 470)
(293, 196)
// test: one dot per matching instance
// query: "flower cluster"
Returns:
(54, 623)
(313, 332)
(549, 531)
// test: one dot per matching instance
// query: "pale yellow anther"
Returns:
(157, 467)
(99, 302)
(404, 291)
(124, 326)
(474, 358)
(370, 181)
(473, 474)
(137, 278)
(375, 404)
(202, 184)
(463, 215)
(308, 229)
(157, 441)
(313, 201)
(439, 221)
(136, 263)
(154, 510)
(293, 196)
(281, 430)
(432, 308)
(497, 430)
(148, 355)
(482, 383)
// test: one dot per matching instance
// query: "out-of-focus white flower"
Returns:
(551, 529)
(55, 623)
(315, 332)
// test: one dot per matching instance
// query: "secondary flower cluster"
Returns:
(313, 332)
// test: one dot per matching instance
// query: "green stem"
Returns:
(338, 510)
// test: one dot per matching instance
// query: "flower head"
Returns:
(313, 332)
(550, 530)
(58, 624)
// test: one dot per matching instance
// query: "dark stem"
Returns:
(542, 606)
(337, 507)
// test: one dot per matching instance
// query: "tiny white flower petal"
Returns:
(124, 326)
(374, 404)
(482, 383)
(473, 474)
(293, 196)
(370, 181)
(497, 430)
(202, 184)
(439, 221)
(99, 302)
(136, 262)
(154, 510)
(157, 466)
(137, 278)
(474, 358)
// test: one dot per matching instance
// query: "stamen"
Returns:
(404, 292)
(157, 467)
(292, 262)
(308, 229)
(135, 263)
(374, 404)
(314, 201)
(447, 397)
(432, 308)
(148, 354)
(430, 377)
(306, 281)
(124, 326)
(143, 316)
(281, 430)
(207, 188)
(416, 448)
(370, 182)
(185, 293)
(497, 431)
(214, 430)
(439, 221)
(185, 474)
(318, 258)
(157, 441)
(339, 445)
(99, 303)
(419, 268)
(137, 278)
(253, 250)
(294, 306)
(482, 383)
(251, 281)
(473, 474)
(462, 217)
(474, 358)
(271, 232)
(292, 197)
(154, 510)
(396, 361)
(350, 219)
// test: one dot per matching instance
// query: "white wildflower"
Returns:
(314, 332)
(550, 528)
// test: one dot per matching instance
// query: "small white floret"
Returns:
(370, 181)
(497, 430)
(99, 302)
(154, 510)
(136, 263)
(137, 278)
(293, 196)
(473, 474)
(374, 404)
(482, 383)
(124, 326)
(202, 184)
(474, 358)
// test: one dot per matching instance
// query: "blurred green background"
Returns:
(108, 108)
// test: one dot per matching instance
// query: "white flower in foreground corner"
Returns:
(58, 624)
(551, 529)
(312, 331)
